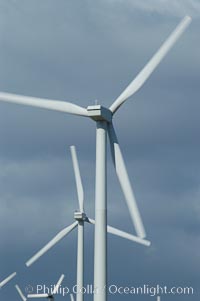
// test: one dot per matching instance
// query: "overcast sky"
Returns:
(83, 52)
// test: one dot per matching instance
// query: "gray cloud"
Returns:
(166, 7)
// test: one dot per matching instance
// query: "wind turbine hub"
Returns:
(99, 113)
(80, 216)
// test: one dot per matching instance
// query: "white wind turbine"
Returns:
(103, 118)
(81, 217)
(49, 296)
(7, 279)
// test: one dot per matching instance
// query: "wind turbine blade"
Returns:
(55, 105)
(56, 287)
(124, 234)
(7, 279)
(20, 293)
(125, 182)
(72, 297)
(144, 74)
(37, 296)
(79, 185)
(50, 244)
(128, 236)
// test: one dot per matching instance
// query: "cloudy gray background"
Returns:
(81, 51)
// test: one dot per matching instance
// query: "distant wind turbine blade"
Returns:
(79, 185)
(50, 244)
(37, 296)
(7, 279)
(144, 74)
(55, 290)
(72, 297)
(20, 293)
(125, 182)
(55, 105)
(124, 234)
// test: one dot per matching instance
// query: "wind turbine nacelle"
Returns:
(80, 216)
(99, 113)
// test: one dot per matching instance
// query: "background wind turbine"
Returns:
(103, 118)
(7, 279)
(51, 295)
(81, 217)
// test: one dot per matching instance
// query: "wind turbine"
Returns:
(103, 118)
(49, 296)
(81, 217)
(7, 279)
